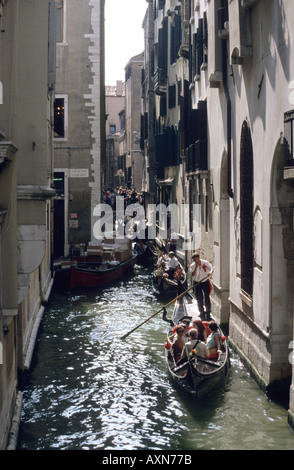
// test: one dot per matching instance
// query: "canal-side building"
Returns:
(79, 120)
(229, 148)
(165, 91)
(260, 47)
(27, 79)
(134, 159)
(147, 112)
(250, 45)
(114, 105)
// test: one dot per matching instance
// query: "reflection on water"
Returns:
(88, 389)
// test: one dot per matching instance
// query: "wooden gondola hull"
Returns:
(204, 385)
(199, 385)
(91, 276)
(198, 377)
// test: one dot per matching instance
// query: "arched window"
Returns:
(246, 210)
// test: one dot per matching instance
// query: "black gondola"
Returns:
(198, 376)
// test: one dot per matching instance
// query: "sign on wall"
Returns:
(79, 173)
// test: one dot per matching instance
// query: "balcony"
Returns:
(7, 152)
(160, 82)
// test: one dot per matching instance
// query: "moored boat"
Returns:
(100, 265)
(99, 274)
(196, 375)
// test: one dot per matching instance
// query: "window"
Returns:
(206, 214)
(112, 128)
(60, 117)
(60, 20)
(199, 47)
(172, 96)
(175, 38)
(289, 137)
(59, 183)
(246, 210)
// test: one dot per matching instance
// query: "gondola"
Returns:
(145, 253)
(93, 274)
(101, 264)
(197, 376)
(97, 275)
(165, 284)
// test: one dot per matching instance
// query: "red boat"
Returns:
(101, 264)
(85, 273)
(99, 274)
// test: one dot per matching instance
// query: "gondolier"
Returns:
(200, 269)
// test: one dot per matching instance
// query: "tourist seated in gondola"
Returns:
(214, 341)
(184, 322)
(172, 263)
(195, 344)
(201, 329)
(178, 273)
(161, 258)
(177, 341)
(160, 270)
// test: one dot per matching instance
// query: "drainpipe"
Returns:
(229, 117)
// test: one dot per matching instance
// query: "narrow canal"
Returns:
(88, 389)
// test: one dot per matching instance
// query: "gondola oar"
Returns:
(183, 293)
(178, 297)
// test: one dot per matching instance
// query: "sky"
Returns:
(124, 36)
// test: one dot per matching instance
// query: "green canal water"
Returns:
(88, 389)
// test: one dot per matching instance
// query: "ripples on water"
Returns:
(88, 389)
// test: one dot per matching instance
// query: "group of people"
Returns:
(131, 196)
(168, 265)
(202, 337)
